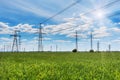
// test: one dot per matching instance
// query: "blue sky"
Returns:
(101, 17)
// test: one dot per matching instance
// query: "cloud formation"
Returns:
(26, 28)
(4, 28)
(83, 25)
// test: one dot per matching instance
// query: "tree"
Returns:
(91, 50)
(74, 50)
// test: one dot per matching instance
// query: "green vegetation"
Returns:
(60, 66)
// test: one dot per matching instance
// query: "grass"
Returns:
(60, 66)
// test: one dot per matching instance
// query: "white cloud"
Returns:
(116, 41)
(28, 6)
(81, 24)
(25, 28)
(6, 29)
(70, 19)
(63, 41)
(5, 39)
(47, 39)
(29, 45)
(101, 32)
(80, 35)
(117, 23)
(115, 29)
(44, 38)
(3, 25)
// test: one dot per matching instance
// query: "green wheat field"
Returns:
(60, 66)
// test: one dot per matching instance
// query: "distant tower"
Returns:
(56, 48)
(15, 41)
(98, 46)
(19, 43)
(33, 49)
(24, 49)
(109, 47)
(91, 42)
(51, 48)
(4, 47)
(76, 41)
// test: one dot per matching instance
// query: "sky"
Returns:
(101, 17)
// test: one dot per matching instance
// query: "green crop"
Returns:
(60, 66)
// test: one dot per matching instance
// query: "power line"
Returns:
(62, 30)
(61, 11)
(40, 46)
(109, 4)
(105, 6)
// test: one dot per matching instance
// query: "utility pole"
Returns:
(40, 46)
(76, 40)
(91, 41)
(4, 48)
(56, 48)
(33, 49)
(51, 48)
(24, 50)
(7, 47)
(98, 46)
(19, 43)
(109, 47)
(15, 41)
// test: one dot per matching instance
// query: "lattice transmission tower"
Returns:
(16, 41)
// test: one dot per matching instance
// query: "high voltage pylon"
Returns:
(51, 48)
(91, 42)
(98, 46)
(76, 40)
(16, 41)
(109, 47)
(63, 10)
(40, 39)
(4, 47)
(40, 46)
(56, 47)
(19, 43)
